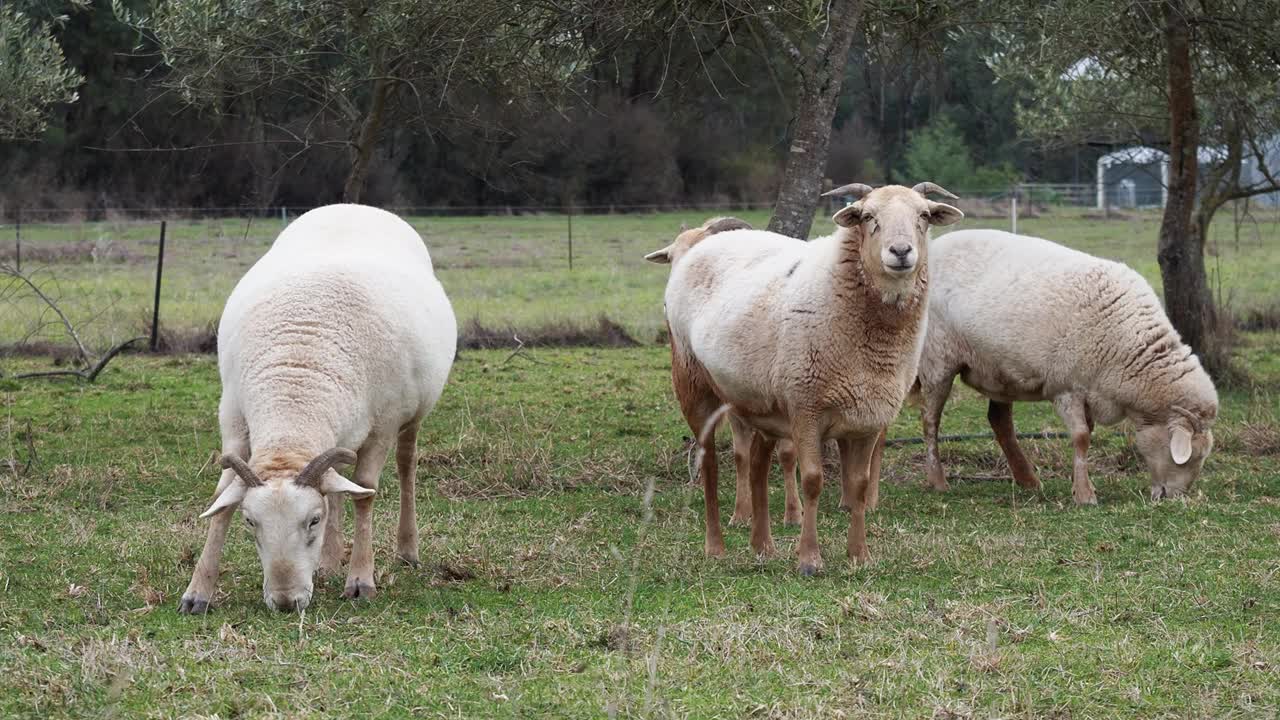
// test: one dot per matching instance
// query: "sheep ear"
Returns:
(333, 483)
(662, 257)
(849, 215)
(943, 214)
(228, 499)
(1180, 444)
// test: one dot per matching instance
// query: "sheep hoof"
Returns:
(740, 519)
(810, 569)
(409, 559)
(791, 519)
(193, 604)
(766, 551)
(714, 550)
(359, 590)
(1089, 499)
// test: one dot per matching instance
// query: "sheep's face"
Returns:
(287, 523)
(1175, 453)
(895, 222)
(286, 515)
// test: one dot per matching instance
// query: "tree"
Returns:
(1179, 74)
(302, 67)
(33, 74)
(817, 43)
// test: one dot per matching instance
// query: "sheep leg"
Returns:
(761, 461)
(1075, 416)
(204, 581)
(369, 462)
(331, 548)
(808, 444)
(873, 471)
(1000, 415)
(407, 471)
(742, 439)
(935, 397)
(855, 464)
(787, 457)
(698, 404)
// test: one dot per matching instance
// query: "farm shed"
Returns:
(1138, 176)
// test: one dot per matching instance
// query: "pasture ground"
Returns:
(563, 571)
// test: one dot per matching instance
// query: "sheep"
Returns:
(331, 349)
(742, 432)
(1023, 319)
(805, 341)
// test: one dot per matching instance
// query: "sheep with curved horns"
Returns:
(806, 341)
(742, 432)
(331, 350)
(1023, 319)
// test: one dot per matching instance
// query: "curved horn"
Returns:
(234, 462)
(925, 188)
(725, 224)
(311, 474)
(1197, 424)
(854, 189)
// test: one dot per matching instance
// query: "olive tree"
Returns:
(33, 73)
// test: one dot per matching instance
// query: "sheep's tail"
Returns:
(915, 398)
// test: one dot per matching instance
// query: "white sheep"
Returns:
(742, 432)
(806, 341)
(339, 337)
(1021, 319)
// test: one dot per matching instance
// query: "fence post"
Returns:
(17, 239)
(284, 215)
(568, 211)
(155, 313)
(1013, 209)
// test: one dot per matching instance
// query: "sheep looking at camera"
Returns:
(805, 341)
(331, 350)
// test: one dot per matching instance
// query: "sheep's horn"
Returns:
(854, 189)
(725, 224)
(234, 462)
(311, 474)
(925, 188)
(1196, 423)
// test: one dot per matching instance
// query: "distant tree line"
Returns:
(571, 103)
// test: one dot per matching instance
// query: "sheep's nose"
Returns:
(900, 250)
(286, 602)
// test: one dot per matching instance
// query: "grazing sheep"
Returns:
(742, 432)
(1020, 319)
(339, 337)
(805, 341)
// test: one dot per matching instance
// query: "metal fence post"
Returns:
(1013, 210)
(569, 214)
(17, 240)
(155, 314)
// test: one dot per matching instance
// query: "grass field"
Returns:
(555, 584)
(508, 271)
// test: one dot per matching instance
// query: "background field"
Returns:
(512, 271)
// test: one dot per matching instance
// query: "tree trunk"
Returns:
(366, 142)
(1181, 249)
(821, 79)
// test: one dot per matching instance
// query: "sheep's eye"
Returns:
(250, 523)
(314, 522)
(925, 214)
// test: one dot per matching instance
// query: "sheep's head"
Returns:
(688, 238)
(286, 513)
(894, 222)
(1175, 448)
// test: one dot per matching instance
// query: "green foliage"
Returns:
(937, 153)
(33, 74)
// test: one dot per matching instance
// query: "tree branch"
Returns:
(9, 270)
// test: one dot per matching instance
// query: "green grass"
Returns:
(552, 588)
(508, 271)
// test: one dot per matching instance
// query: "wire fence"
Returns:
(510, 268)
